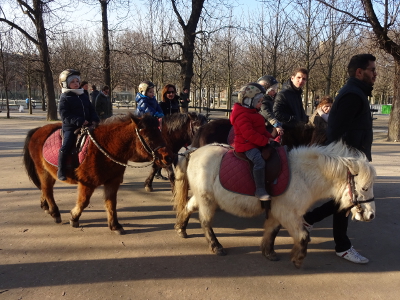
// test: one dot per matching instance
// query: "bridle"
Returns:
(147, 148)
(353, 194)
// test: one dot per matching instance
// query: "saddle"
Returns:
(77, 154)
(236, 171)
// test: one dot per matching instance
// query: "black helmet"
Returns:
(62, 79)
(267, 81)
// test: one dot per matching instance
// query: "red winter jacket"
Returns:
(249, 127)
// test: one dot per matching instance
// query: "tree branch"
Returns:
(26, 34)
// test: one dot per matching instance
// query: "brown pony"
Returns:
(217, 131)
(130, 139)
(178, 131)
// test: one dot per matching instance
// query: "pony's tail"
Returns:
(181, 188)
(28, 161)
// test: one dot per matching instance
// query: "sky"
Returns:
(92, 14)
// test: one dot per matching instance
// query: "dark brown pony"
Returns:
(178, 131)
(217, 131)
(130, 139)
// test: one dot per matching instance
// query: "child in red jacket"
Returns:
(251, 134)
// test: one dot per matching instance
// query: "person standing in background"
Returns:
(93, 95)
(103, 104)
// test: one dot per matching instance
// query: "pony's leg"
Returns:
(206, 215)
(148, 183)
(110, 195)
(182, 218)
(171, 177)
(47, 202)
(84, 194)
(271, 230)
(301, 239)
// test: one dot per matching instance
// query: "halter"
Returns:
(141, 139)
(353, 194)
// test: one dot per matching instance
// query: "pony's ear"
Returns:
(353, 166)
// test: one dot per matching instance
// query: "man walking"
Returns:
(288, 106)
(350, 120)
(103, 104)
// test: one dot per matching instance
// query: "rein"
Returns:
(85, 130)
(353, 194)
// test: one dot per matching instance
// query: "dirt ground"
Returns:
(40, 259)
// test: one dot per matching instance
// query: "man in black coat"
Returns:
(288, 105)
(350, 120)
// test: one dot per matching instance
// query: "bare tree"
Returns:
(35, 13)
(383, 19)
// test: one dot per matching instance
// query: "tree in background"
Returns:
(384, 21)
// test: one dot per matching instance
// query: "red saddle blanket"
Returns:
(236, 175)
(53, 144)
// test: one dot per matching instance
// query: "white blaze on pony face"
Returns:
(367, 212)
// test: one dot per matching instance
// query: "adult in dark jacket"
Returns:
(75, 110)
(288, 105)
(170, 105)
(103, 103)
(93, 95)
(169, 100)
(267, 107)
(350, 120)
(85, 85)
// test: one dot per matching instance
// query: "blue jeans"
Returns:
(255, 156)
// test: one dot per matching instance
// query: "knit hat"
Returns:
(70, 78)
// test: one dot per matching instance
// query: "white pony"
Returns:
(333, 171)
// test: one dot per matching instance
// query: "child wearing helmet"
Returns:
(75, 111)
(146, 101)
(251, 134)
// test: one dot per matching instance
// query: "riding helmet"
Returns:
(63, 78)
(144, 86)
(267, 81)
(247, 94)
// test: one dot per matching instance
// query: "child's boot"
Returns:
(259, 179)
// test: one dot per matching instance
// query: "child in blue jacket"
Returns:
(146, 101)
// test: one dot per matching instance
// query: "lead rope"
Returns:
(86, 129)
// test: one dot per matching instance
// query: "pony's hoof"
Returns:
(57, 220)
(74, 224)
(272, 256)
(119, 231)
(148, 188)
(220, 251)
(182, 233)
(297, 263)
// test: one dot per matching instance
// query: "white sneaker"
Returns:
(307, 226)
(353, 256)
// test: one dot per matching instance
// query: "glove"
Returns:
(94, 125)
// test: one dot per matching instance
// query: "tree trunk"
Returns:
(106, 44)
(44, 54)
(394, 119)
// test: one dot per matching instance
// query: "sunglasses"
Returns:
(170, 92)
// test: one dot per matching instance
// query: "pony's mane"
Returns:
(146, 120)
(336, 157)
(120, 118)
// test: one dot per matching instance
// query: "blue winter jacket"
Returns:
(146, 105)
(74, 110)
